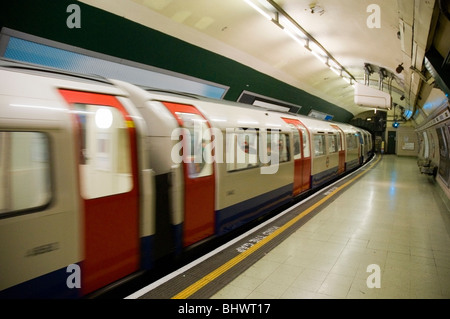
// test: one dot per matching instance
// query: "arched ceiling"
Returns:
(382, 33)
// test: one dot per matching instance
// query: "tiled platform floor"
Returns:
(392, 218)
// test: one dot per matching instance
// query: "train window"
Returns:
(283, 148)
(352, 142)
(340, 140)
(297, 143)
(242, 149)
(306, 148)
(319, 144)
(332, 143)
(360, 138)
(105, 159)
(197, 157)
(25, 181)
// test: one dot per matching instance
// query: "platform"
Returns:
(383, 232)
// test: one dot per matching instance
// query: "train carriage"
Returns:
(70, 190)
(102, 179)
(367, 145)
(39, 224)
(225, 186)
(352, 146)
(326, 146)
(255, 173)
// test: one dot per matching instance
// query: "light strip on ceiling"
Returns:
(277, 15)
(348, 80)
(319, 56)
(299, 40)
(260, 10)
(337, 71)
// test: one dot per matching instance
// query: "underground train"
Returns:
(101, 178)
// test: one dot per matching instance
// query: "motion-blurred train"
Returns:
(101, 178)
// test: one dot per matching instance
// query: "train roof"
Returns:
(249, 115)
(232, 114)
(12, 65)
(29, 93)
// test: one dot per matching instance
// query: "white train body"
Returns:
(101, 178)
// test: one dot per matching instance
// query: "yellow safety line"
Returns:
(232, 262)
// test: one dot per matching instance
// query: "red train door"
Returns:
(302, 164)
(341, 166)
(108, 184)
(199, 179)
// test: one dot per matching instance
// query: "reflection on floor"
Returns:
(389, 229)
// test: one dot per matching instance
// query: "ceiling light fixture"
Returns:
(259, 9)
(338, 72)
(322, 58)
(348, 80)
(273, 12)
(420, 74)
(299, 40)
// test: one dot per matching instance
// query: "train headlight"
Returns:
(103, 118)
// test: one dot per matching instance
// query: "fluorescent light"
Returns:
(349, 81)
(291, 26)
(319, 57)
(299, 40)
(275, 13)
(333, 64)
(261, 11)
(266, 5)
(317, 51)
(316, 48)
(338, 72)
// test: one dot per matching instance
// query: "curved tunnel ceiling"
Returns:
(381, 33)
